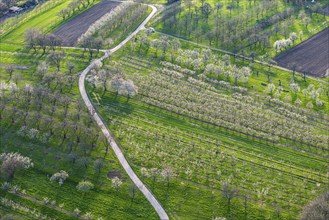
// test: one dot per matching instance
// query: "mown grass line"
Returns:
(232, 139)
(134, 109)
(101, 201)
(13, 212)
(34, 205)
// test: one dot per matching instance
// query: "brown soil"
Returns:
(113, 174)
(72, 30)
(311, 56)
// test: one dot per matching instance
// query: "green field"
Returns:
(211, 135)
(204, 153)
(251, 27)
(53, 155)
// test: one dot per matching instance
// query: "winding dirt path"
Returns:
(147, 193)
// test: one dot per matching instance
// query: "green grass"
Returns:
(156, 1)
(5, 211)
(50, 157)
(47, 21)
(122, 29)
(102, 201)
(45, 210)
(184, 189)
(319, 22)
(41, 21)
(120, 34)
(154, 137)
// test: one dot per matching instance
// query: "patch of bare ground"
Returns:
(114, 173)
(72, 30)
(310, 56)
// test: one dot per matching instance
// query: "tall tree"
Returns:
(206, 10)
(12, 162)
(30, 37)
(229, 193)
(128, 88)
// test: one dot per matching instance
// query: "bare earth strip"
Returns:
(72, 30)
(311, 56)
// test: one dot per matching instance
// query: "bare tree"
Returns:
(230, 7)
(91, 44)
(167, 173)
(229, 193)
(206, 9)
(10, 70)
(30, 37)
(42, 41)
(164, 42)
(53, 41)
(55, 58)
(70, 67)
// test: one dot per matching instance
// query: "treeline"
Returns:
(239, 29)
(73, 6)
(35, 39)
(121, 19)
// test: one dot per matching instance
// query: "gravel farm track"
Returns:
(72, 30)
(311, 56)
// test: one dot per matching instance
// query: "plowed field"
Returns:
(311, 56)
(72, 30)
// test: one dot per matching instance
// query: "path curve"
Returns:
(147, 193)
